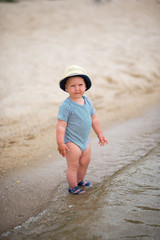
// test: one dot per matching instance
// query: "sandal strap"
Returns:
(84, 184)
(76, 190)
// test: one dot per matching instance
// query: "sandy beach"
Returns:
(117, 42)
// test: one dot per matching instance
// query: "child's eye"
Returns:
(81, 85)
(72, 85)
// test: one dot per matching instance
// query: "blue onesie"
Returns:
(78, 118)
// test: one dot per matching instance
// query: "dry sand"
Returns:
(117, 42)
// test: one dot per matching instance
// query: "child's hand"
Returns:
(62, 148)
(102, 139)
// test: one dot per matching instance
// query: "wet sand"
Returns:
(28, 192)
(24, 193)
(119, 48)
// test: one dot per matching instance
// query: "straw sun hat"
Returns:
(73, 71)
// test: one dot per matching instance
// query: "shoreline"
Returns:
(24, 189)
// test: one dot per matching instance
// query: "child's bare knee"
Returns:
(85, 161)
(73, 166)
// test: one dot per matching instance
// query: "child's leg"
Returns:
(72, 158)
(83, 163)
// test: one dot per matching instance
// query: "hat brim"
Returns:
(85, 77)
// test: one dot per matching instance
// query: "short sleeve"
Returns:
(64, 112)
(92, 109)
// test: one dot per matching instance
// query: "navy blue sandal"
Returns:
(76, 190)
(84, 184)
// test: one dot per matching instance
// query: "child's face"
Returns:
(75, 86)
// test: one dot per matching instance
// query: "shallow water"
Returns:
(124, 202)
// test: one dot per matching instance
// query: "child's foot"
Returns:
(84, 184)
(76, 190)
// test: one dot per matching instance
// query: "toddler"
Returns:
(76, 116)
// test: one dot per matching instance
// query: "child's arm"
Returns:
(98, 131)
(60, 131)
